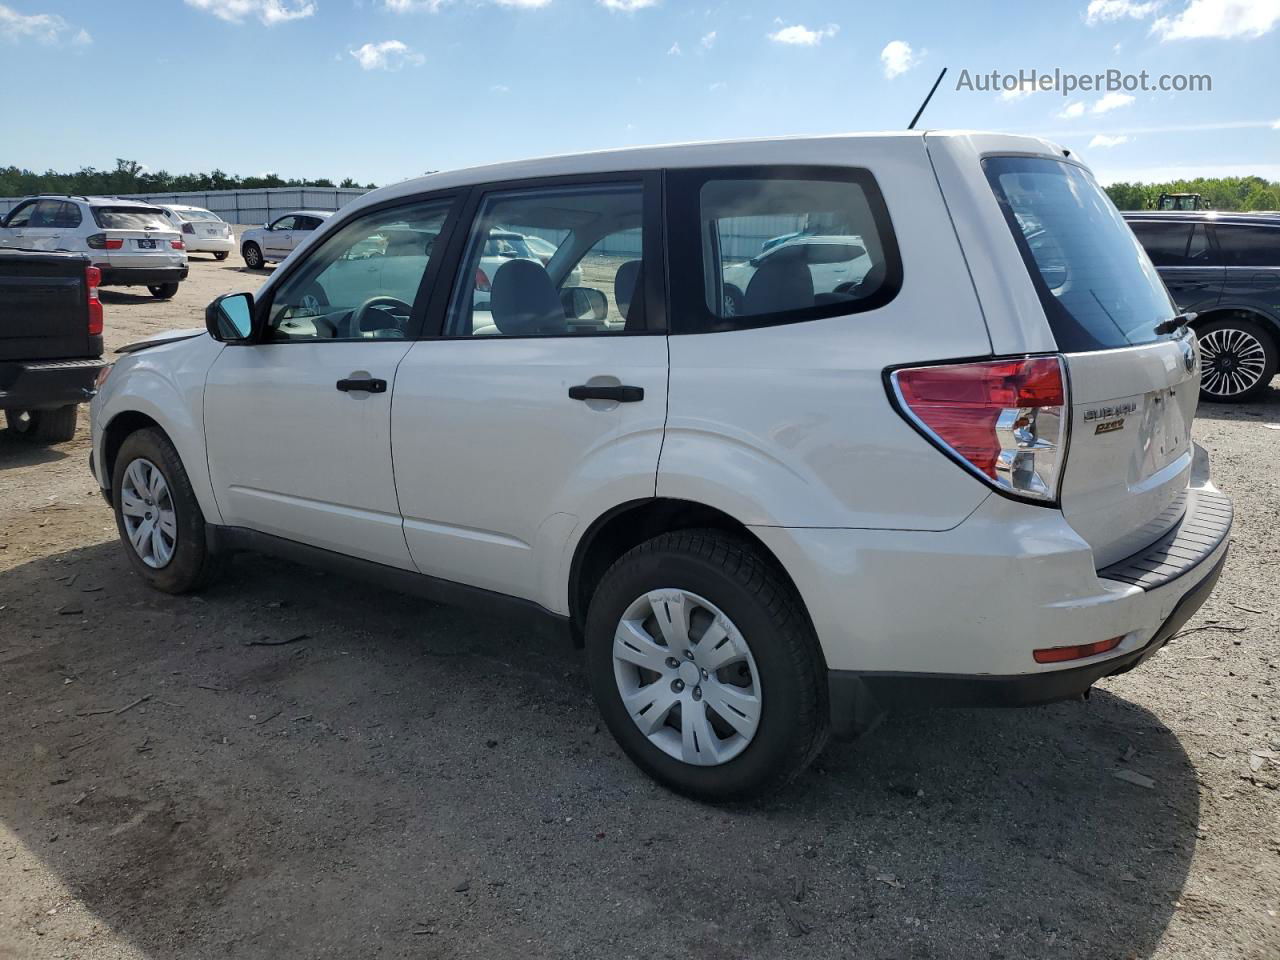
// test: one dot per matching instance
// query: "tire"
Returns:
(163, 291)
(220, 255)
(252, 254)
(190, 564)
(733, 300)
(753, 603)
(1238, 358)
(44, 426)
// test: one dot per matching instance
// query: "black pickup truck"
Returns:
(50, 341)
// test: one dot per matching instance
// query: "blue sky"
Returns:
(381, 90)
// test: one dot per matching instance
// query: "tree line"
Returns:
(129, 176)
(1222, 193)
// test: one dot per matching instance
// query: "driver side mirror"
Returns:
(229, 319)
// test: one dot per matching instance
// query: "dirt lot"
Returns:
(410, 781)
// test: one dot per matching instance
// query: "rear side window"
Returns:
(779, 245)
(1098, 287)
(1244, 246)
(1175, 244)
(130, 218)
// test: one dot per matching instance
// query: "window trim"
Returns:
(653, 255)
(423, 299)
(688, 272)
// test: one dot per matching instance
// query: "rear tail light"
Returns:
(1005, 420)
(100, 241)
(1060, 654)
(93, 280)
(482, 281)
(101, 378)
(177, 244)
(188, 227)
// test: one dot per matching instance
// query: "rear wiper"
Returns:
(1174, 323)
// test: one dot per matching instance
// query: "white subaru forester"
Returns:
(959, 474)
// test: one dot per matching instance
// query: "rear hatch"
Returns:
(44, 307)
(1133, 389)
(133, 236)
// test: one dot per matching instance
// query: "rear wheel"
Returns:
(158, 517)
(1237, 359)
(705, 667)
(44, 426)
(220, 255)
(252, 254)
(163, 291)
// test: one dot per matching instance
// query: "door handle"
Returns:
(371, 385)
(621, 394)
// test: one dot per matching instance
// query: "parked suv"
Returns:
(130, 242)
(1225, 268)
(966, 479)
(274, 241)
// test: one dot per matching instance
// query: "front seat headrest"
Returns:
(627, 292)
(524, 302)
(778, 285)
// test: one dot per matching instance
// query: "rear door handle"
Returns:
(371, 385)
(623, 394)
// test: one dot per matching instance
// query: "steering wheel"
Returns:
(357, 318)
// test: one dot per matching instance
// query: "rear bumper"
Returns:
(859, 699)
(47, 384)
(141, 276)
(210, 244)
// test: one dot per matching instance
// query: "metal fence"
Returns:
(247, 207)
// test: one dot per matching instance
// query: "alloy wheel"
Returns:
(1231, 361)
(150, 520)
(686, 677)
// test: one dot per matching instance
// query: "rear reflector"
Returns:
(1003, 419)
(92, 280)
(1059, 654)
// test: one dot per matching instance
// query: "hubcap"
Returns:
(1232, 361)
(150, 521)
(687, 677)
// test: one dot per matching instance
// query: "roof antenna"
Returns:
(912, 124)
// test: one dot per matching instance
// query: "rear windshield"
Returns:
(130, 218)
(1097, 285)
(197, 215)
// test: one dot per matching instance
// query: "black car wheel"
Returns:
(163, 291)
(252, 256)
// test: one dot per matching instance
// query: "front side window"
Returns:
(1247, 246)
(284, 223)
(559, 261)
(21, 215)
(362, 281)
(46, 213)
(130, 218)
(780, 245)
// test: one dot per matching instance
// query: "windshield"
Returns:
(1097, 285)
(130, 218)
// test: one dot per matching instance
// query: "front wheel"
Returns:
(1237, 360)
(705, 668)
(158, 517)
(221, 255)
(44, 426)
(163, 291)
(252, 254)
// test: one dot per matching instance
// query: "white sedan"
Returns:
(203, 231)
(836, 263)
(274, 241)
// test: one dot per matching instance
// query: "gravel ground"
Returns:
(403, 780)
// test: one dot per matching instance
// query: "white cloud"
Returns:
(709, 40)
(718, 86)
(1275, 124)
(1220, 19)
(897, 58)
(628, 6)
(413, 6)
(500, 88)
(387, 55)
(1020, 92)
(1105, 11)
(41, 27)
(1101, 140)
(523, 4)
(270, 12)
(801, 36)
(1072, 110)
(1111, 101)
(675, 50)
